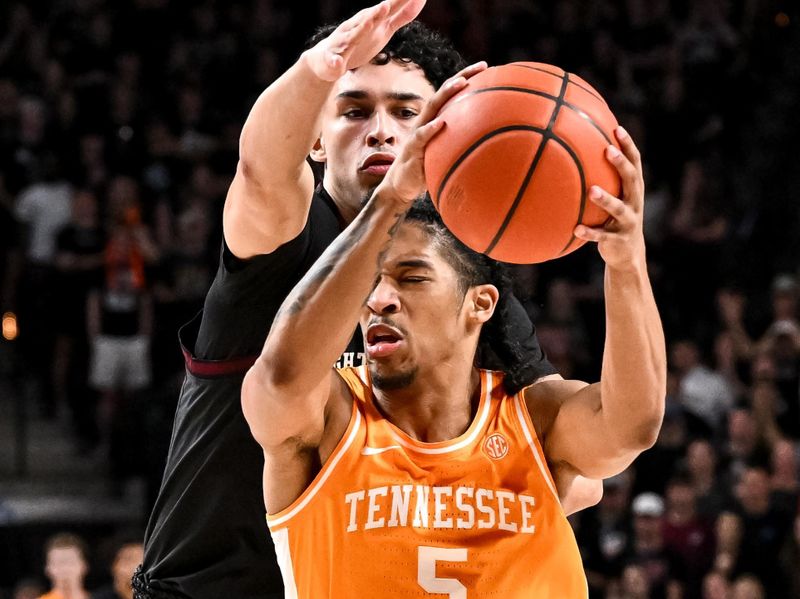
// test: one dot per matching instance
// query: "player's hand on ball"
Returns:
(621, 240)
(360, 38)
(405, 179)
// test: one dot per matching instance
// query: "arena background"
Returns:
(135, 107)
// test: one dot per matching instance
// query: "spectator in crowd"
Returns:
(751, 535)
(785, 299)
(127, 556)
(732, 347)
(700, 223)
(562, 330)
(704, 393)
(648, 547)
(701, 466)
(785, 476)
(781, 345)
(66, 566)
(634, 584)
(688, 536)
(716, 586)
(605, 534)
(747, 587)
(79, 262)
(744, 445)
(668, 450)
(120, 325)
(43, 208)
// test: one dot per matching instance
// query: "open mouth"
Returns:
(382, 340)
(377, 164)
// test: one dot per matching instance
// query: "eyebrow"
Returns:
(360, 94)
(415, 263)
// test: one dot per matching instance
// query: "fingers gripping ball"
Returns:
(511, 170)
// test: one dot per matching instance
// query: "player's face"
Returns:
(414, 319)
(370, 115)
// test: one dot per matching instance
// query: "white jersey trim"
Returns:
(281, 540)
(328, 470)
(363, 374)
(519, 406)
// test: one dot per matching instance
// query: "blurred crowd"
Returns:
(66, 565)
(119, 126)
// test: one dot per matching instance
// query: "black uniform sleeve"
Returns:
(246, 294)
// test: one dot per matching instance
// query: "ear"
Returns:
(483, 301)
(318, 153)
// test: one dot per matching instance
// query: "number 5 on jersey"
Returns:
(426, 570)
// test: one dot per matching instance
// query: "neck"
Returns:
(347, 212)
(70, 590)
(434, 408)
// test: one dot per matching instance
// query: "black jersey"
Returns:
(207, 536)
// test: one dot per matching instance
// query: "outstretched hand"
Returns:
(621, 240)
(406, 176)
(361, 37)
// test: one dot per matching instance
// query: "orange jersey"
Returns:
(389, 516)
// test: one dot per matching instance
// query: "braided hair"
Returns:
(413, 43)
(507, 341)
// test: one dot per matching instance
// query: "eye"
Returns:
(414, 279)
(354, 113)
(407, 113)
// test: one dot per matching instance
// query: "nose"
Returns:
(381, 131)
(384, 298)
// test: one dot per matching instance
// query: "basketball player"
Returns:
(207, 536)
(418, 474)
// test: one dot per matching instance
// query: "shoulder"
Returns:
(320, 227)
(545, 397)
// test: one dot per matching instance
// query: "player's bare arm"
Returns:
(269, 198)
(599, 429)
(576, 492)
(295, 403)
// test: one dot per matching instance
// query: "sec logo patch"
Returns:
(495, 446)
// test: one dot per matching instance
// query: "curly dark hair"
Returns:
(507, 340)
(414, 43)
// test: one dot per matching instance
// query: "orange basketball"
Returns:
(511, 170)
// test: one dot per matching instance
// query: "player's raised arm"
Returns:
(601, 428)
(285, 391)
(269, 197)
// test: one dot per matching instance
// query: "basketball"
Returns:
(511, 170)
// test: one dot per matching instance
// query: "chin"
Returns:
(388, 381)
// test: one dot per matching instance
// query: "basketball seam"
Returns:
(475, 145)
(575, 83)
(511, 88)
(508, 128)
(546, 136)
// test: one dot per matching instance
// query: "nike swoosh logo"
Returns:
(377, 450)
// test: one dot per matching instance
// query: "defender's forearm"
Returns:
(283, 125)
